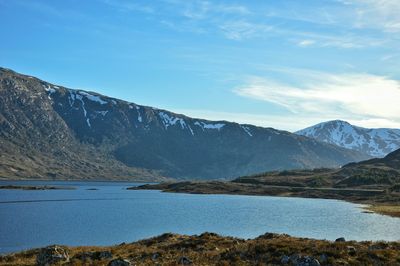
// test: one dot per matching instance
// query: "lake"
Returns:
(111, 215)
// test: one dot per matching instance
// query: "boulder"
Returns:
(97, 255)
(285, 259)
(294, 258)
(119, 262)
(155, 256)
(323, 258)
(307, 261)
(351, 250)
(340, 239)
(184, 261)
(52, 255)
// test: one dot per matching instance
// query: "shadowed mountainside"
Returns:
(52, 132)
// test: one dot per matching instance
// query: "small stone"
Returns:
(285, 259)
(340, 239)
(307, 261)
(155, 256)
(184, 261)
(119, 262)
(351, 250)
(97, 255)
(294, 258)
(323, 258)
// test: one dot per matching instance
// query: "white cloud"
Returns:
(358, 97)
(305, 43)
(378, 14)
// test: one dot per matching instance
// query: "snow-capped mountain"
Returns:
(376, 142)
(49, 131)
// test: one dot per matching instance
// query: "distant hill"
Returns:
(48, 131)
(374, 173)
(374, 142)
(381, 171)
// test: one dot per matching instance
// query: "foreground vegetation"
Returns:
(212, 249)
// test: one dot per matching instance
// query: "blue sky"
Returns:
(286, 64)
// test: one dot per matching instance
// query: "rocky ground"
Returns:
(212, 249)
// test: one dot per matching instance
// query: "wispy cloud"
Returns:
(361, 96)
(383, 14)
(305, 43)
(239, 30)
(130, 6)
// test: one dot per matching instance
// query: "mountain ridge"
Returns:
(376, 142)
(144, 139)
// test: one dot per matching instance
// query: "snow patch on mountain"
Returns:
(204, 125)
(247, 130)
(374, 142)
(170, 120)
(139, 118)
(93, 98)
(103, 113)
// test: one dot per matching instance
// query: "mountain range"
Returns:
(375, 142)
(48, 131)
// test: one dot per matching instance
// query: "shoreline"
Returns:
(373, 198)
(213, 249)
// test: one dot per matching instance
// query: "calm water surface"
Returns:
(112, 214)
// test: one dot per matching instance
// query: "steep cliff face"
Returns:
(52, 131)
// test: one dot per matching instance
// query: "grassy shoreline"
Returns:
(213, 249)
(390, 210)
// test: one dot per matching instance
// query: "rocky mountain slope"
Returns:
(49, 131)
(374, 142)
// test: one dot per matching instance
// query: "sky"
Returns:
(286, 64)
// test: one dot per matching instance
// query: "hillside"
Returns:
(52, 132)
(376, 142)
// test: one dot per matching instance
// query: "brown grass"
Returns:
(391, 210)
(212, 249)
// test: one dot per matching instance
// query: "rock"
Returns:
(285, 259)
(119, 262)
(307, 261)
(378, 246)
(184, 261)
(294, 258)
(340, 239)
(351, 250)
(97, 255)
(155, 256)
(323, 258)
(51, 255)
